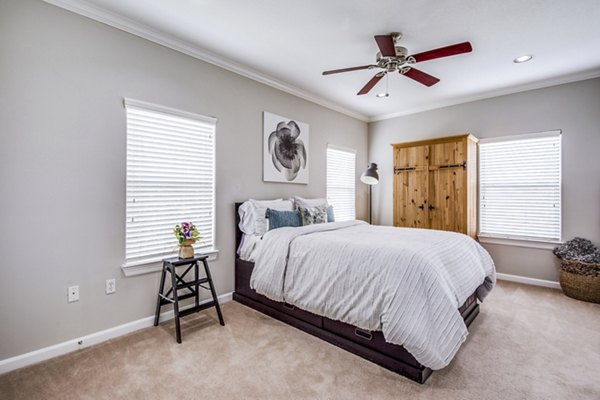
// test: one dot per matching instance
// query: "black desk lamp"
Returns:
(370, 177)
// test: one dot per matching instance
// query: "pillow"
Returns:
(306, 203)
(252, 214)
(279, 219)
(313, 215)
(330, 215)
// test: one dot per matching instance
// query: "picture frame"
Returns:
(285, 149)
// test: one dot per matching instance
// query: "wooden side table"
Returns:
(192, 286)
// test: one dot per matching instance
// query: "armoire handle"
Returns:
(421, 207)
(431, 207)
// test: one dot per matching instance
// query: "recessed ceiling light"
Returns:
(382, 94)
(522, 59)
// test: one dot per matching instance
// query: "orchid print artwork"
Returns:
(285, 150)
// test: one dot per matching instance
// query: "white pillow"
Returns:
(307, 203)
(252, 214)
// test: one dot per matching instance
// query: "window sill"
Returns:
(532, 244)
(149, 267)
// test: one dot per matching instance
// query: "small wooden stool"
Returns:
(193, 286)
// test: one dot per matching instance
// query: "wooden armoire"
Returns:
(435, 184)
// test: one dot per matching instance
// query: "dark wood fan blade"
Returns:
(371, 83)
(421, 77)
(447, 51)
(386, 45)
(337, 71)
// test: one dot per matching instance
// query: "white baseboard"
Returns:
(528, 281)
(45, 353)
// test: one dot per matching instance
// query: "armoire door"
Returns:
(447, 198)
(447, 191)
(411, 174)
(448, 153)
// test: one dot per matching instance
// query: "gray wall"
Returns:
(62, 164)
(574, 108)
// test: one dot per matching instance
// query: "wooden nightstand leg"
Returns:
(176, 303)
(161, 290)
(197, 283)
(213, 292)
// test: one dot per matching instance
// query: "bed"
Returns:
(369, 344)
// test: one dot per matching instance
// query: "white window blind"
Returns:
(341, 182)
(519, 187)
(170, 179)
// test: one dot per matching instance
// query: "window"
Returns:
(341, 182)
(519, 187)
(170, 179)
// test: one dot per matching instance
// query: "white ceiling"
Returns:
(288, 43)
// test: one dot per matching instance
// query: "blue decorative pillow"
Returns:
(279, 219)
(330, 215)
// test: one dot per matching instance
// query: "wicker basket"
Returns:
(580, 280)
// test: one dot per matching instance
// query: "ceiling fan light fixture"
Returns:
(522, 59)
(383, 94)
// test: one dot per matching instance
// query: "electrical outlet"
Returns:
(111, 286)
(73, 293)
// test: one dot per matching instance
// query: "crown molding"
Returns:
(104, 16)
(494, 93)
(135, 28)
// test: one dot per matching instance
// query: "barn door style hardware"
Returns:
(463, 165)
(398, 170)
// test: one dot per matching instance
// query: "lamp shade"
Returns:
(370, 176)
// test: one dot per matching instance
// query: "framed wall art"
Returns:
(285, 149)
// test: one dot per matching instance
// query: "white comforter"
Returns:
(405, 282)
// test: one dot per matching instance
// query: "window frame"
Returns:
(517, 240)
(154, 264)
(343, 149)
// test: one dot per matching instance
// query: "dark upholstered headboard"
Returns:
(238, 233)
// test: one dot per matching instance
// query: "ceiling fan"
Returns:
(392, 57)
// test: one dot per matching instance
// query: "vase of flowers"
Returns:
(186, 234)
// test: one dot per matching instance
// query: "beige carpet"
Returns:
(527, 343)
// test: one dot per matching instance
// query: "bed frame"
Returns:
(369, 345)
